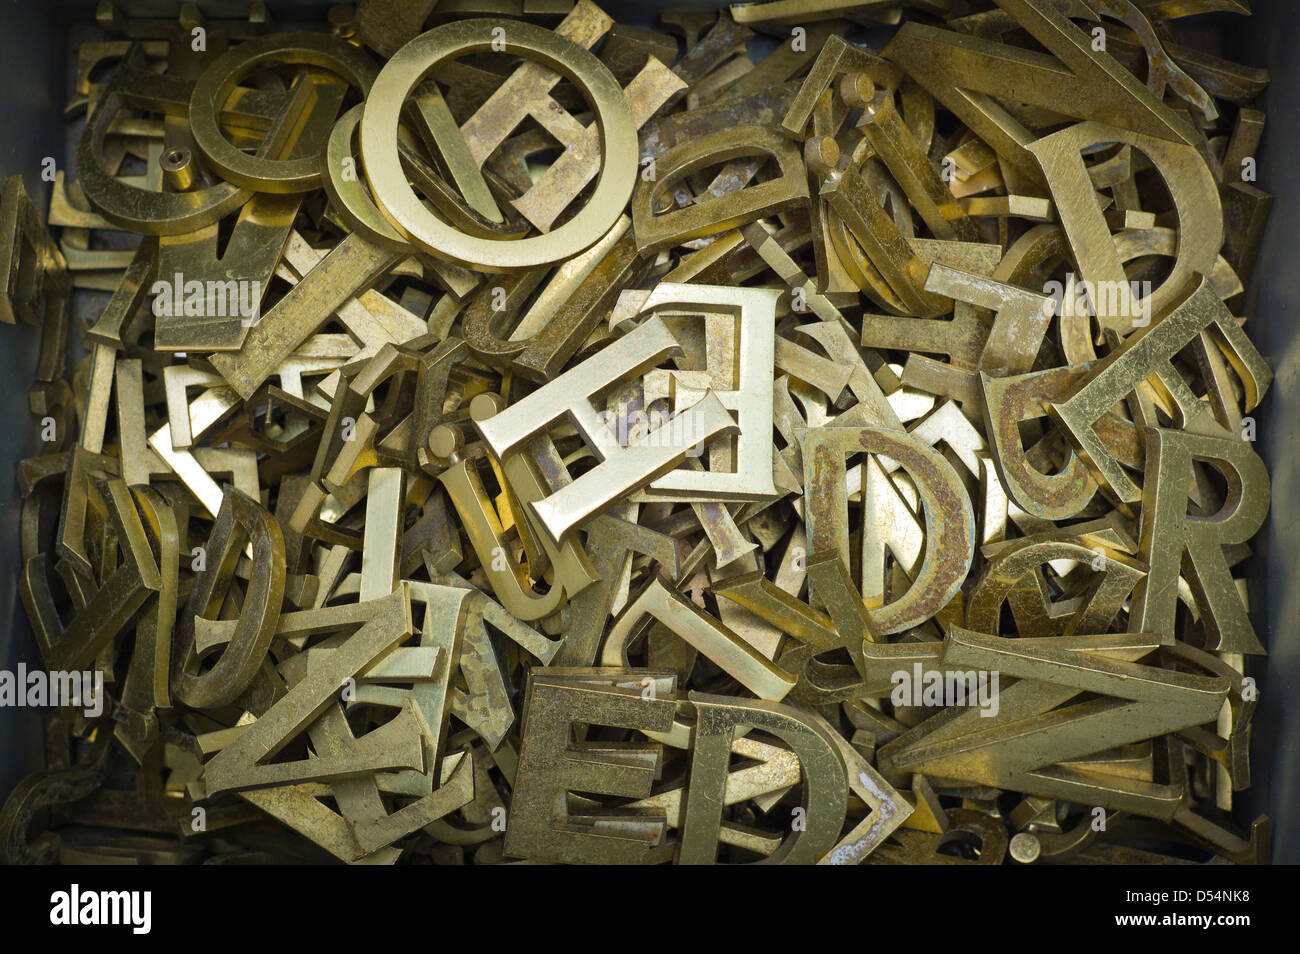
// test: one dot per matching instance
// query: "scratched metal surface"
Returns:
(31, 101)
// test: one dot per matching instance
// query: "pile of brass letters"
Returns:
(497, 432)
